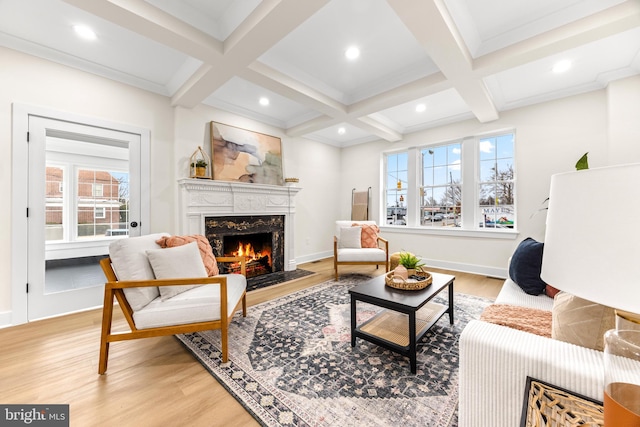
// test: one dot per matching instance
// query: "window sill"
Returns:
(507, 234)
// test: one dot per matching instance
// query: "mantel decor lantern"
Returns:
(200, 165)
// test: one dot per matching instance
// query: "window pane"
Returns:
(454, 174)
(102, 203)
(427, 178)
(505, 169)
(455, 151)
(396, 188)
(496, 201)
(487, 170)
(441, 192)
(440, 156)
(487, 149)
(505, 146)
(54, 203)
(440, 175)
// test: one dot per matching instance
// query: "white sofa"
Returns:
(496, 360)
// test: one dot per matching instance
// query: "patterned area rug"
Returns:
(291, 363)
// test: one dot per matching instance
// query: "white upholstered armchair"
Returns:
(168, 285)
(358, 243)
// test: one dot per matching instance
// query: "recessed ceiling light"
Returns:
(85, 32)
(352, 53)
(562, 66)
(342, 130)
(264, 101)
(420, 108)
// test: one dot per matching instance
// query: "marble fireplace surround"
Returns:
(200, 198)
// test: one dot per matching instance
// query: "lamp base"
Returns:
(622, 378)
(622, 405)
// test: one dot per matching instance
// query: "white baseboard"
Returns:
(314, 257)
(500, 273)
(5, 319)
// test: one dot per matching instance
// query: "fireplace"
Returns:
(260, 238)
(214, 208)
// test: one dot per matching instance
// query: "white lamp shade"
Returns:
(592, 240)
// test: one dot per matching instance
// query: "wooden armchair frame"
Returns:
(114, 288)
(382, 244)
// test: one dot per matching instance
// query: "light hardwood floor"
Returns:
(150, 382)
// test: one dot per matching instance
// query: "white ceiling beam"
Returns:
(313, 125)
(433, 28)
(379, 129)
(269, 23)
(408, 92)
(614, 20)
(275, 81)
(334, 111)
(149, 21)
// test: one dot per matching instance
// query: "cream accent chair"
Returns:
(155, 307)
(347, 252)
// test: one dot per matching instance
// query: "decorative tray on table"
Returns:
(417, 281)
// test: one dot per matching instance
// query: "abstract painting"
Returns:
(245, 156)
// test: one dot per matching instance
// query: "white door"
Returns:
(84, 192)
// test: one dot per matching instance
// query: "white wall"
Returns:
(624, 120)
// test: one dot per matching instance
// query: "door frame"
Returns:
(20, 189)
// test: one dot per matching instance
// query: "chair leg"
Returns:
(244, 305)
(225, 344)
(104, 356)
(107, 315)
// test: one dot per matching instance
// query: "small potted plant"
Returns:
(201, 167)
(411, 262)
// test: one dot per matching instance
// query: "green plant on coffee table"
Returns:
(410, 261)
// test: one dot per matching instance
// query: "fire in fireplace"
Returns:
(265, 234)
(256, 248)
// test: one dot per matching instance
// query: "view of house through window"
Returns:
(95, 213)
(86, 196)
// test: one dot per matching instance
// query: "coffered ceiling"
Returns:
(459, 59)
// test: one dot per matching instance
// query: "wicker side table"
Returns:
(548, 405)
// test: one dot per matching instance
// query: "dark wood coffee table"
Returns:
(390, 328)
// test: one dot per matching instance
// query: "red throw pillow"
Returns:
(369, 236)
(210, 263)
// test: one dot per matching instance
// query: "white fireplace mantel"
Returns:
(200, 198)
